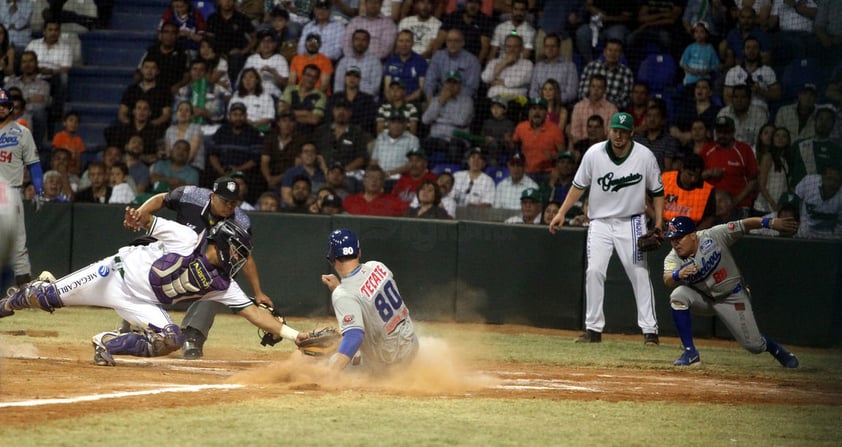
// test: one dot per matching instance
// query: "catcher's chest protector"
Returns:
(174, 277)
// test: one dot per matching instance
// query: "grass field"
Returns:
(472, 385)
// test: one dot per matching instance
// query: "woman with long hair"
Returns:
(773, 175)
(764, 140)
(260, 106)
(7, 53)
(183, 128)
(556, 112)
(429, 200)
(217, 65)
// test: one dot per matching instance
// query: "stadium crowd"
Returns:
(436, 108)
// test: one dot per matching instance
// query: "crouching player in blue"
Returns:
(707, 281)
(180, 266)
(372, 315)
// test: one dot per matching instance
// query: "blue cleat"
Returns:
(786, 358)
(689, 357)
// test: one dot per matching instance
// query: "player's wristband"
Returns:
(675, 275)
(766, 222)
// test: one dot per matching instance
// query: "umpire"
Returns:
(201, 209)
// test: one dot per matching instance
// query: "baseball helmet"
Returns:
(679, 226)
(233, 245)
(6, 99)
(342, 242)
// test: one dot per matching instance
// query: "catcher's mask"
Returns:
(233, 246)
(341, 243)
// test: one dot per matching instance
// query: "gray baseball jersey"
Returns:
(17, 149)
(717, 274)
(369, 299)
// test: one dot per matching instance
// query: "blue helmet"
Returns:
(342, 242)
(6, 99)
(679, 226)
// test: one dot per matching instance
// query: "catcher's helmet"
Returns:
(6, 99)
(233, 245)
(342, 242)
(679, 226)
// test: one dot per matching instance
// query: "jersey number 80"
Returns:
(388, 301)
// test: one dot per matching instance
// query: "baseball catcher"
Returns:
(179, 266)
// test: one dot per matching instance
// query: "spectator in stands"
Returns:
(55, 59)
(53, 192)
(594, 104)
(69, 140)
(175, 171)
(15, 17)
(344, 10)
(510, 74)
(36, 92)
(473, 187)
(700, 136)
(686, 194)
(748, 117)
(659, 22)
(552, 66)
(701, 107)
(312, 43)
(794, 37)
(305, 101)
(311, 168)
(341, 184)
(800, 118)
(271, 67)
(286, 33)
(234, 33)
(407, 66)
(190, 23)
(8, 51)
(821, 204)
(424, 27)
(236, 146)
(556, 110)
(428, 196)
(416, 173)
(453, 58)
(516, 26)
(549, 212)
(396, 102)
(121, 192)
(788, 206)
(540, 140)
(773, 173)
(171, 57)
(731, 49)
(260, 105)
(373, 201)
(98, 191)
(61, 162)
(596, 134)
(330, 32)
(342, 141)
(448, 112)
(138, 170)
(764, 140)
(508, 192)
(183, 128)
(811, 155)
(445, 182)
(699, 60)
(370, 68)
(606, 20)
(730, 166)
(638, 104)
(268, 202)
(301, 196)
(557, 18)
(474, 34)
(618, 78)
(760, 78)
(657, 138)
(530, 208)
(391, 9)
(159, 98)
(701, 11)
(381, 31)
(558, 184)
(497, 130)
(392, 146)
(362, 103)
(119, 134)
(281, 147)
(216, 66)
(725, 209)
(828, 29)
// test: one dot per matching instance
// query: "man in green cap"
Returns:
(620, 173)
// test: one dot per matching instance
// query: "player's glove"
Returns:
(651, 240)
(319, 342)
(38, 201)
(268, 338)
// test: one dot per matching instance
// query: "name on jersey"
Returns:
(708, 265)
(83, 280)
(200, 274)
(7, 140)
(609, 183)
(372, 283)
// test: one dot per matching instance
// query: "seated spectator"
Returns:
(810, 155)
(369, 66)
(560, 181)
(158, 97)
(699, 60)
(171, 57)
(234, 33)
(362, 103)
(761, 79)
(749, 118)
(236, 146)
(549, 212)
(35, 91)
(382, 31)
(475, 29)
(795, 37)
(773, 173)
(415, 174)
(270, 66)
(175, 171)
(119, 134)
(341, 141)
(686, 194)
(725, 209)
(660, 24)
(310, 168)
(281, 148)
(821, 204)
(138, 170)
(312, 43)
(730, 166)
(605, 20)
(98, 191)
(328, 31)
(617, 78)
(596, 135)
(395, 100)
(594, 104)
(60, 162)
(215, 65)
(700, 11)
(121, 192)
(183, 128)
(331, 204)
(473, 187)
(540, 141)
(301, 196)
(556, 111)
(429, 202)
(268, 202)
(68, 139)
(260, 105)
(341, 184)
(657, 138)
(190, 23)
(638, 104)
(206, 98)
(373, 201)
(699, 108)
(764, 140)
(393, 145)
(407, 66)
(553, 66)
(800, 118)
(827, 29)
(54, 59)
(53, 188)
(530, 208)
(497, 130)
(424, 27)
(305, 101)
(788, 206)
(17, 32)
(285, 31)
(516, 26)
(321, 194)
(445, 181)
(453, 59)
(508, 192)
(700, 137)
(510, 74)
(731, 49)
(447, 113)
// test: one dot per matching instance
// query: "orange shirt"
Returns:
(319, 60)
(681, 202)
(540, 146)
(74, 144)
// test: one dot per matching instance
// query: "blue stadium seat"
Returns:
(498, 173)
(658, 72)
(446, 167)
(800, 72)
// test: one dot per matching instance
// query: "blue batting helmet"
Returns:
(342, 242)
(679, 226)
(6, 99)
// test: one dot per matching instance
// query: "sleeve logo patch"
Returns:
(347, 319)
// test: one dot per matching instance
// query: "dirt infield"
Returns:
(44, 382)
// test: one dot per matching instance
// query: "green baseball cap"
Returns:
(622, 120)
(453, 75)
(530, 194)
(538, 102)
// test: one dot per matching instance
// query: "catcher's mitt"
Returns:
(319, 342)
(651, 240)
(268, 338)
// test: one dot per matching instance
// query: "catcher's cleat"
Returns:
(690, 357)
(651, 340)
(590, 336)
(101, 355)
(193, 342)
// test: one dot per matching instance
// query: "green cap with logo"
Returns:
(622, 120)
(530, 194)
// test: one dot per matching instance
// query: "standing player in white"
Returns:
(372, 316)
(18, 150)
(619, 173)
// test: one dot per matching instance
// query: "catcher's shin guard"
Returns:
(38, 294)
(165, 340)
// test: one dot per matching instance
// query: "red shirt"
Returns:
(740, 167)
(536, 143)
(406, 186)
(382, 205)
